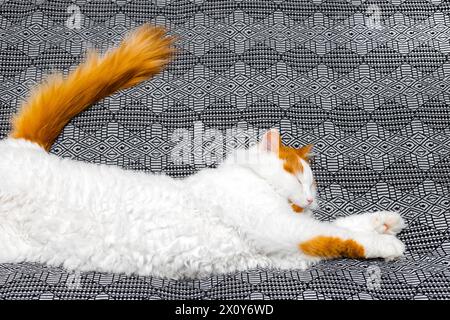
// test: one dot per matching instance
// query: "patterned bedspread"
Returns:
(367, 82)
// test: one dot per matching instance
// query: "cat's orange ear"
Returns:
(271, 141)
(305, 152)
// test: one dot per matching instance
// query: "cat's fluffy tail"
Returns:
(52, 104)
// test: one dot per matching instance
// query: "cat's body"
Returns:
(98, 217)
(238, 216)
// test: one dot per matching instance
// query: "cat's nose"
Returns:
(310, 200)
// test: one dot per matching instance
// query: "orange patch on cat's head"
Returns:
(290, 156)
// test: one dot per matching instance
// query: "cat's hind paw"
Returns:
(396, 250)
(387, 247)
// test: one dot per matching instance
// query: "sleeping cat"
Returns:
(242, 214)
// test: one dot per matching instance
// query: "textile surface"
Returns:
(367, 82)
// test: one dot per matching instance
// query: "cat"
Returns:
(88, 217)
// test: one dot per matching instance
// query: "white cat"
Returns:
(253, 210)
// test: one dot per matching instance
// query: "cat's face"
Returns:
(288, 170)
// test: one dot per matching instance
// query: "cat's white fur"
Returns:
(96, 217)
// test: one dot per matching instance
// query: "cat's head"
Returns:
(287, 169)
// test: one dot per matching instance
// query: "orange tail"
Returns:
(57, 100)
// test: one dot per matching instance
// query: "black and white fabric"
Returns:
(367, 82)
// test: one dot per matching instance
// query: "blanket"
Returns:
(366, 82)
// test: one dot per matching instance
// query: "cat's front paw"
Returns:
(385, 246)
(387, 222)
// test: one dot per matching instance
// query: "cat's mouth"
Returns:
(295, 207)
(300, 208)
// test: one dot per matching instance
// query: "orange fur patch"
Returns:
(55, 102)
(305, 152)
(291, 160)
(296, 208)
(332, 247)
(292, 156)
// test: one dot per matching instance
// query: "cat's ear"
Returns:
(305, 152)
(270, 141)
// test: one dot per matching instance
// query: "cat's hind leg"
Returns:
(324, 240)
(354, 247)
(383, 222)
(327, 240)
(330, 247)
